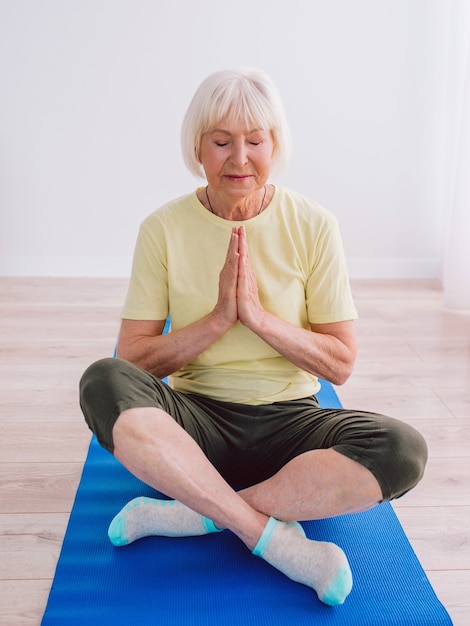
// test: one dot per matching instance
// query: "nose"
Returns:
(239, 154)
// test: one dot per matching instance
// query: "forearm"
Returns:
(143, 343)
(326, 350)
(163, 354)
(325, 355)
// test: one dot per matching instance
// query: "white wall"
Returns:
(93, 93)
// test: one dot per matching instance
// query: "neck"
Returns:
(238, 210)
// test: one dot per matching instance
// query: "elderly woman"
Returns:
(254, 281)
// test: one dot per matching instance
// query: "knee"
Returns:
(407, 453)
(94, 377)
(97, 398)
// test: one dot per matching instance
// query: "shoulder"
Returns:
(300, 203)
(299, 208)
(170, 211)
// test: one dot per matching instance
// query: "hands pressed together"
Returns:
(238, 288)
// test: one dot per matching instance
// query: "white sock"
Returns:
(320, 565)
(145, 517)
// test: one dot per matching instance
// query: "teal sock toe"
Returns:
(339, 588)
(117, 532)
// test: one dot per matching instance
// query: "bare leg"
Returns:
(157, 450)
(315, 485)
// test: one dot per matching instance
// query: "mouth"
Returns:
(238, 177)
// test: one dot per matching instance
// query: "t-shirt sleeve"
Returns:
(328, 292)
(147, 296)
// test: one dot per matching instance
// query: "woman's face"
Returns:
(236, 160)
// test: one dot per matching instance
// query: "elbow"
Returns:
(120, 352)
(340, 378)
(342, 373)
(124, 351)
(346, 367)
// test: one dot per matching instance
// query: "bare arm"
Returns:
(327, 350)
(143, 343)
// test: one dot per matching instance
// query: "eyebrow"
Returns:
(226, 132)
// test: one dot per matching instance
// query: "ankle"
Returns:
(252, 529)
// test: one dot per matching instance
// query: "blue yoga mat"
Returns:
(214, 580)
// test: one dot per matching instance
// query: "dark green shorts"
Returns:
(248, 444)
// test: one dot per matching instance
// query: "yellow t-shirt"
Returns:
(296, 252)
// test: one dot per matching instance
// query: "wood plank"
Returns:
(24, 535)
(22, 602)
(451, 588)
(438, 535)
(457, 401)
(33, 442)
(39, 487)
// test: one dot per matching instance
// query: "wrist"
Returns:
(257, 321)
(219, 323)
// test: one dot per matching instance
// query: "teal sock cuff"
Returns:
(210, 527)
(265, 538)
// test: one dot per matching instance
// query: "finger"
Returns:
(247, 282)
(234, 243)
(242, 243)
(245, 263)
(228, 278)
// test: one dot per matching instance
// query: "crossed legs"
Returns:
(313, 485)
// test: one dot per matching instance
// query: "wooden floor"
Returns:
(414, 364)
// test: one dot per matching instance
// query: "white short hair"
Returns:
(244, 94)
